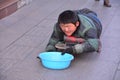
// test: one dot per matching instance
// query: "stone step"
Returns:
(7, 7)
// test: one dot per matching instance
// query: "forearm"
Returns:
(88, 46)
(50, 48)
(51, 44)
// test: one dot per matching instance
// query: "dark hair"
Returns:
(67, 16)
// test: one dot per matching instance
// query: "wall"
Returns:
(21, 3)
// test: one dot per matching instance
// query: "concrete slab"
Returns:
(119, 66)
(24, 34)
(6, 64)
(117, 77)
(16, 52)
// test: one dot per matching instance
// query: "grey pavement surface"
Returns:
(25, 33)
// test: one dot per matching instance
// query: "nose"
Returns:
(66, 29)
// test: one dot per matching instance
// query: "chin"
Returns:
(68, 34)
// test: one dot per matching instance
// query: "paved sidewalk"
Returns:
(25, 33)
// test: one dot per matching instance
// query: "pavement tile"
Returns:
(30, 41)
(16, 52)
(27, 69)
(42, 29)
(12, 19)
(20, 74)
(7, 37)
(36, 36)
(2, 76)
(6, 64)
(117, 77)
(110, 41)
(119, 66)
(110, 52)
(2, 27)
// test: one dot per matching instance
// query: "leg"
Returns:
(107, 3)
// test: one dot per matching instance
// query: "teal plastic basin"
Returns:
(54, 60)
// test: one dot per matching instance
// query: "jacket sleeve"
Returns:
(90, 34)
(54, 39)
(85, 11)
(91, 43)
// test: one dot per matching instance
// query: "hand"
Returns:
(68, 50)
(60, 46)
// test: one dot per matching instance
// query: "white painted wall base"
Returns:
(23, 2)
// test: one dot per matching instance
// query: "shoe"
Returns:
(97, 0)
(107, 4)
(100, 46)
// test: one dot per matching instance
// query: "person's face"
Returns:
(69, 28)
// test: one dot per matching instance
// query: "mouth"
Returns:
(68, 34)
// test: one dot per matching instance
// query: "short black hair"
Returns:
(68, 16)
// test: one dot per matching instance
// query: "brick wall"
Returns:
(7, 7)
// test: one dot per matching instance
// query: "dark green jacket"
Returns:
(90, 29)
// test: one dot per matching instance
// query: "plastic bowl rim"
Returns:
(72, 57)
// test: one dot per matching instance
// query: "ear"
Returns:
(77, 23)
